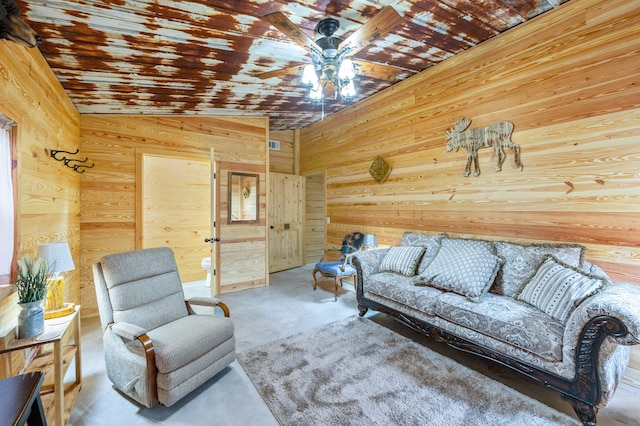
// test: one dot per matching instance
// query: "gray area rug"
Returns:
(357, 372)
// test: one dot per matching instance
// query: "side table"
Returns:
(58, 346)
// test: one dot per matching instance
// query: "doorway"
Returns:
(315, 222)
(175, 202)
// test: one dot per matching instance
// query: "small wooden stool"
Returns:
(21, 401)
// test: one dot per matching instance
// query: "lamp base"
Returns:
(66, 309)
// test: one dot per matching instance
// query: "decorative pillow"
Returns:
(419, 240)
(466, 267)
(431, 244)
(402, 260)
(557, 288)
(522, 260)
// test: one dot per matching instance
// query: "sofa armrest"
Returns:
(207, 301)
(619, 301)
(369, 260)
(127, 330)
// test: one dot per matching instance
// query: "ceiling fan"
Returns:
(332, 70)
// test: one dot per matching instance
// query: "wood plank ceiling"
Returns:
(202, 56)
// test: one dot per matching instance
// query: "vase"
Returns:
(30, 319)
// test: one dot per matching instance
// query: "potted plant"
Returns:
(32, 289)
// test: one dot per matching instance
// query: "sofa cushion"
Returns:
(403, 260)
(431, 244)
(466, 267)
(402, 290)
(522, 260)
(507, 320)
(557, 288)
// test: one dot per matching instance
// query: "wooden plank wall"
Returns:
(49, 192)
(314, 219)
(570, 83)
(108, 193)
(284, 160)
(568, 80)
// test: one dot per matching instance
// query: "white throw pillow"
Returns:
(557, 288)
(402, 260)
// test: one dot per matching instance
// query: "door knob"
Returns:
(211, 240)
(272, 227)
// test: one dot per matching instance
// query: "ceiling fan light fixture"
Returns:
(316, 92)
(331, 69)
(348, 91)
(346, 71)
(309, 76)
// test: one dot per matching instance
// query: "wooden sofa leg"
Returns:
(586, 413)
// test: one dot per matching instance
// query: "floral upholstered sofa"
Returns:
(542, 310)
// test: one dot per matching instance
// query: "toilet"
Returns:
(206, 265)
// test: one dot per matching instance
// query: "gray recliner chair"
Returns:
(156, 348)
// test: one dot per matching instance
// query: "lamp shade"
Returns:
(57, 255)
(370, 241)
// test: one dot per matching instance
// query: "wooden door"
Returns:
(174, 207)
(286, 221)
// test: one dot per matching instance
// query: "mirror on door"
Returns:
(243, 197)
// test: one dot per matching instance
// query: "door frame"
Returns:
(193, 154)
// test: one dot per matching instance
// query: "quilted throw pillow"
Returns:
(522, 260)
(402, 260)
(431, 244)
(557, 288)
(466, 267)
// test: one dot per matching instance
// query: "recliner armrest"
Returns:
(133, 332)
(127, 330)
(207, 301)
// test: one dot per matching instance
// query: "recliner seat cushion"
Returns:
(187, 339)
(403, 290)
(503, 318)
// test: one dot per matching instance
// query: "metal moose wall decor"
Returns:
(497, 135)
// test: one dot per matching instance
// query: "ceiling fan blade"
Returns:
(377, 71)
(379, 25)
(281, 22)
(282, 72)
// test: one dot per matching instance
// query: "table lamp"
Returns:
(58, 257)
(370, 241)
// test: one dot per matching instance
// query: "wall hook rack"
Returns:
(78, 167)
